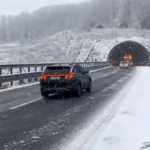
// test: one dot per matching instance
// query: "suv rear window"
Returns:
(51, 70)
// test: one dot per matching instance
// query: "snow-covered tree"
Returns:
(51, 19)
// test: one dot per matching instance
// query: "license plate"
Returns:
(55, 78)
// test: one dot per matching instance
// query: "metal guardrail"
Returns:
(47, 64)
(14, 72)
(8, 78)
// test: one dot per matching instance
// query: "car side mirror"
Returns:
(86, 71)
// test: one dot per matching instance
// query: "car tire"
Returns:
(45, 94)
(89, 88)
(78, 91)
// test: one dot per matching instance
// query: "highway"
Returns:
(29, 122)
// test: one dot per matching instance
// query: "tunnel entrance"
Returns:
(137, 52)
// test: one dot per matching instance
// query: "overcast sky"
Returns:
(17, 6)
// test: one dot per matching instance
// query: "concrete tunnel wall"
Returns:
(139, 52)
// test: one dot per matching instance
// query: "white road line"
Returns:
(100, 69)
(24, 104)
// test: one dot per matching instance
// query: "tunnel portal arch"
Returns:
(139, 52)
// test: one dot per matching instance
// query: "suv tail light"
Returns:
(69, 76)
(43, 76)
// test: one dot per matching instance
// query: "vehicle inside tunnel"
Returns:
(129, 50)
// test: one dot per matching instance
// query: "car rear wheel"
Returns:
(89, 88)
(78, 91)
(45, 94)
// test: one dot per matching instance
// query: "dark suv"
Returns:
(65, 79)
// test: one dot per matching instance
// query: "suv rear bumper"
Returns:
(124, 66)
(57, 90)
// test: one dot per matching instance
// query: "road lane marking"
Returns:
(92, 71)
(24, 104)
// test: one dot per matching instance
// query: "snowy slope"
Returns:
(70, 46)
(103, 47)
(62, 47)
(124, 123)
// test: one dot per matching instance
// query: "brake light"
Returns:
(43, 77)
(69, 76)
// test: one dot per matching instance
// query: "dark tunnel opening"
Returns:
(139, 53)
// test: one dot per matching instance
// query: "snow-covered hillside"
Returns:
(70, 46)
(62, 47)
(103, 47)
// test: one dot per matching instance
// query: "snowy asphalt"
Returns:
(40, 124)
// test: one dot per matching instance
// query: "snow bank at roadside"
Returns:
(129, 128)
(124, 123)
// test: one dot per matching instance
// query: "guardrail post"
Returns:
(42, 68)
(21, 81)
(20, 70)
(35, 68)
(11, 72)
(36, 79)
(1, 85)
(29, 79)
(28, 69)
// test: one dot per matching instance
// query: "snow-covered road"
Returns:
(124, 123)
(46, 124)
